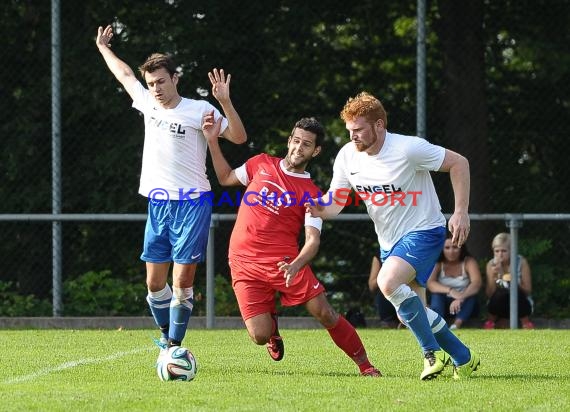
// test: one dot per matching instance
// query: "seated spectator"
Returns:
(454, 284)
(385, 310)
(498, 282)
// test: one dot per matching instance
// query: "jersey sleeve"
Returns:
(141, 97)
(217, 115)
(424, 155)
(245, 172)
(315, 222)
(241, 174)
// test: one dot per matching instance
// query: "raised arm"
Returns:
(458, 168)
(224, 172)
(119, 68)
(235, 132)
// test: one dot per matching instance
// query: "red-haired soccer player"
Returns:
(264, 256)
(411, 233)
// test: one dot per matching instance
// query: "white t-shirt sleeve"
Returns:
(315, 222)
(424, 155)
(241, 174)
(141, 98)
(217, 115)
(206, 107)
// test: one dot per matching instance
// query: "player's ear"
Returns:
(317, 151)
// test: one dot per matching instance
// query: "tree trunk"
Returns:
(460, 30)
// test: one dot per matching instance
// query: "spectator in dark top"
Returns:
(498, 283)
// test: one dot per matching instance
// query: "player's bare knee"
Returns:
(388, 285)
(155, 285)
(327, 316)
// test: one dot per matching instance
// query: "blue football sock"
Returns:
(447, 339)
(413, 313)
(159, 304)
(180, 311)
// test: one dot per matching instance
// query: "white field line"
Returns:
(74, 364)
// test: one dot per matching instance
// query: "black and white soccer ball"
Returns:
(177, 364)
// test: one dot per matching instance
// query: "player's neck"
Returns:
(172, 103)
(300, 169)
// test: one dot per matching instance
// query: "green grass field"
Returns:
(86, 370)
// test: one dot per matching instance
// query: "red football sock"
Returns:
(345, 337)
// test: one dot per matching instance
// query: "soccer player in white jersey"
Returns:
(173, 178)
(391, 173)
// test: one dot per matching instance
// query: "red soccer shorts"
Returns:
(255, 285)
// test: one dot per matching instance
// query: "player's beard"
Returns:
(362, 147)
(298, 164)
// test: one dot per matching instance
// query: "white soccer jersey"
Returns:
(395, 184)
(174, 154)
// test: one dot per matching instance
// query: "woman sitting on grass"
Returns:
(454, 284)
(498, 284)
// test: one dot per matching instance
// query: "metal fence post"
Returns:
(421, 70)
(57, 299)
(514, 222)
(211, 275)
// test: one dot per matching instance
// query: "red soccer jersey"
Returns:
(271, 214)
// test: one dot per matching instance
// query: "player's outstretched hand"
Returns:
(211, 127)
(459, 227)
(104, 36)
(220, 84)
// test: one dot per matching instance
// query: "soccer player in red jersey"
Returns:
(264, 255)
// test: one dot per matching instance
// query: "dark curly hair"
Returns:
(310, 124)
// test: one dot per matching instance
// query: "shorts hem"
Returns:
(186, 262)
(150, 260)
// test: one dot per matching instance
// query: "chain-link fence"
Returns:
(498, 81)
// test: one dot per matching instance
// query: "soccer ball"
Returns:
(178, 364)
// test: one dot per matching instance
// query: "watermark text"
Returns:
(266, 197)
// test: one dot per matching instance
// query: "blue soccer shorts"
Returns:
(177, 231)
(421, 249)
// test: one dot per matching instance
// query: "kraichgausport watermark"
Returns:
(265, 197)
